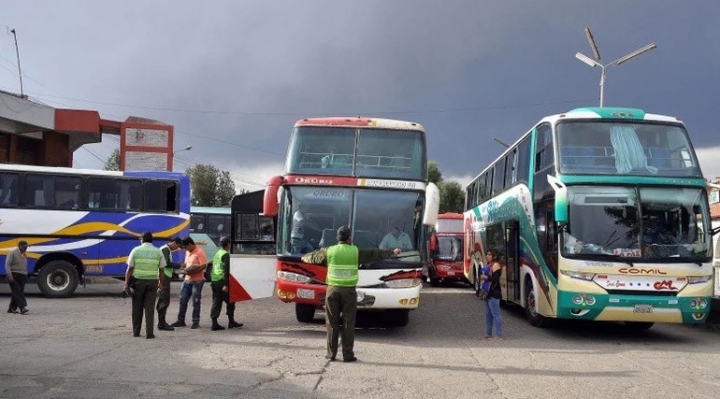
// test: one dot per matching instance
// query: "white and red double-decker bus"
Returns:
(446, 249)
(364, 173)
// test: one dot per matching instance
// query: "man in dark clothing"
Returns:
(341, 296)
(144, 264)
(164, 292)
(16, 274)
(220, 284)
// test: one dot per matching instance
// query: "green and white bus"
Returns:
(601, 214)
(207, 225)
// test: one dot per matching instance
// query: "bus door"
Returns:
(253, 259)
(512, 256)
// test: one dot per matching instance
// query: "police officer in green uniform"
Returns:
(220, 281)
(144, 264)
(341, 296)
(163, 300)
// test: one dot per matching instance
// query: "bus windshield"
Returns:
(645, 223)
(449, 248)
(331, 150)
(382, 220)
(628, 148)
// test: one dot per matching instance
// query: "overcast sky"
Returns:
(233, 76)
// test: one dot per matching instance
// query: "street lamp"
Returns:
(595, 62)
(504, 144)
(187, 148)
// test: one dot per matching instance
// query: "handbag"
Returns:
(482, 294)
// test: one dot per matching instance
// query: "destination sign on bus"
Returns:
(397, 184)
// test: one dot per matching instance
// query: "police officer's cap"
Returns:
(224, 240)
(147, 237)
(343, 233)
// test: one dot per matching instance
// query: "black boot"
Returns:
(216, 326)
(232, 323)
(163, 325)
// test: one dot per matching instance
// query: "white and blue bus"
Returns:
(80, 223)
(601, 214)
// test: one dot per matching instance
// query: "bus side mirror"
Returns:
(561, 202)
(432, 204)
(270, 198)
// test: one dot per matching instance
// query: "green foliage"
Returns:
(452, 195)
(210, 186)
(113, 161)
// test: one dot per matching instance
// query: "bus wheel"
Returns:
(475, 281)
(58, 279)
(638, 325)
(535, 319)
(304, 313)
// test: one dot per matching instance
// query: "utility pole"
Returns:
(17, 54)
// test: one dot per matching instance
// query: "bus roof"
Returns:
(634, 114)
(614, 113)
(95, 172)
(210, 210)
(378, 123)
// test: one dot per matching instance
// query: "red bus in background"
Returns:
(446, 250)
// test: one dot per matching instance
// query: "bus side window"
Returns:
(160, 196)
(9, 189)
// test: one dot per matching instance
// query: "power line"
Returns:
(295, 113)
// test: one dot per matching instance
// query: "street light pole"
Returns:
(595, 62)
(17, 54)
(187, 148)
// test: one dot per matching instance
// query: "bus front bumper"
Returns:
(627, 307)
(368, 298)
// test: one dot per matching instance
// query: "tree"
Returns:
(452, 195)
(113, 161)
(434, 174)
(210, 186)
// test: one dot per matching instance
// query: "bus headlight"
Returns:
(293, 277)
(403, 283)
(578, 275)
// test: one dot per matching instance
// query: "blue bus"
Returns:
(80, 223)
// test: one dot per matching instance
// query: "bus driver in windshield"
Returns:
(396, 239)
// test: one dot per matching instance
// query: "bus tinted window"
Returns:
(321, 150)
(67, 192)
(523, 163)
(160, 196)
(499, 176)
(197, 223)
(218, 225)
(9, 185)
(391, 153)
(544, 148)
(113, 194)
(39, 190)
(636, 148)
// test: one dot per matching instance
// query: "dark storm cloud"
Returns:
(480, 68)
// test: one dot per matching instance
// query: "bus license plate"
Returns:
(643, 309)
(305, 294)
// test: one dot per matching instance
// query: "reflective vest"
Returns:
(342, 265)
(168, 260)
(218, 273)
(146, 259)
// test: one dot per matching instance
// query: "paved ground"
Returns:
(82, 347)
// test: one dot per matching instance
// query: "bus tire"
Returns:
(304, 313)
(535, 319)
(638, 325)
(58, 279)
